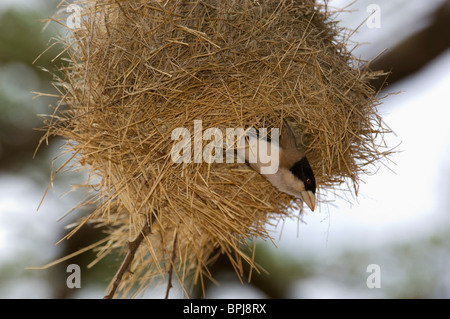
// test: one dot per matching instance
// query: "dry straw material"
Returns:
(138, 69)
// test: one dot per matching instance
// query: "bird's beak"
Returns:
(310, 199)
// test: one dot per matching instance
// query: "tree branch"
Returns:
(412, 54)
(172, 262)
(132, 248)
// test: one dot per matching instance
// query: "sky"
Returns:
(400, 203)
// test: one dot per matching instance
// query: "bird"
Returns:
(294, 175)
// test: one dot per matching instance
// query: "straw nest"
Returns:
(138, 69)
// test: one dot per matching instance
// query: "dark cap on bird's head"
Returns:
(303, 171)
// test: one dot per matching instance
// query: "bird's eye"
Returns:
(308, 181)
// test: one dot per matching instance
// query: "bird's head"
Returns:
(305, 183)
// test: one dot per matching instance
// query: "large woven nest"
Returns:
(138, 69)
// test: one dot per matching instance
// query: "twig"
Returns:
(172, 262)
(132, 247)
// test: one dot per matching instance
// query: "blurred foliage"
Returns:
(22, 40)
